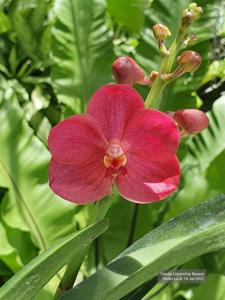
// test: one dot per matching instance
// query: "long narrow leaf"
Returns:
(25, 284)
(198, 230)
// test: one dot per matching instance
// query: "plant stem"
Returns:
(96, 250)
(133, 225)
(153, 99)
(100, 209)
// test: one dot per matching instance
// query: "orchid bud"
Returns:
(191, 14)
(127, 71)
(161, 32)
(195, 9)
(189, 61)
(190, 121)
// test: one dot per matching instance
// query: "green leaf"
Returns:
(212, 288)
(4, 22)
(120, 226)
(178, 94)
(128, 13)
(8, 253)
(27, 20)
(26, 283)
(202, 165)
(30, 205)
(195, 232)
(206, 146)
(163, 12)
(82, 51)
(216, 173)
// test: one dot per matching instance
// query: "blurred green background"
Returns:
(53, 55)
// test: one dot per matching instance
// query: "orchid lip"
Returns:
(115, 160)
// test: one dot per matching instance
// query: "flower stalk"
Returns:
(192, 13)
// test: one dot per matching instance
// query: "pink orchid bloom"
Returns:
(118, 142)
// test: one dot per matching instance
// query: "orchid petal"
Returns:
(82, 183)
(148, 181)
(151, 134)
(76, 139)
(111, 106)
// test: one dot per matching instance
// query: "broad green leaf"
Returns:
(30, 206)
(216, 173)
(209, 144)
(202, 167)
(26, 283)
(198, 230)
(27, 20)
(128, 13)
(82, 51)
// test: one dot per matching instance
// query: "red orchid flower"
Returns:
(118, 142)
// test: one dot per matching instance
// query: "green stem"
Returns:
(133, 225)
(100, 209)
(153, 98)
(98, 213)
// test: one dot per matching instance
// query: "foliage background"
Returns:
(53, 55)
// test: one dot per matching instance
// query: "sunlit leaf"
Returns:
(30, 206)
(195, 232)
(82, 51)
(29, 280)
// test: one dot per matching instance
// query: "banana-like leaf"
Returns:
(26, 283)
(203, 163)
(133, 19)
(198, 230)
(27, 20)
(82, 51)
(30, 205)
(206, 146)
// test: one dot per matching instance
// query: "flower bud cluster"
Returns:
(191, 14)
